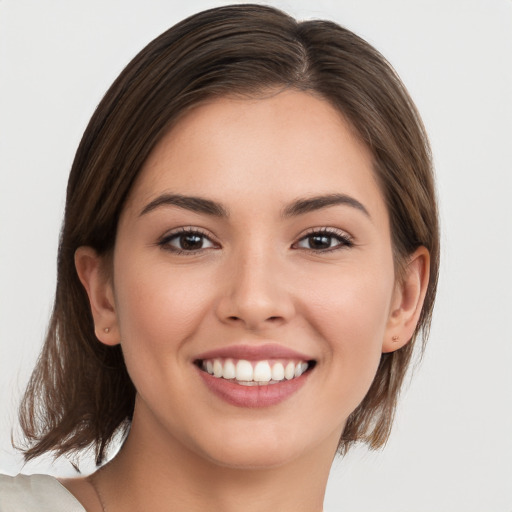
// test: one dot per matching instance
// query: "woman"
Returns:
(250, 250)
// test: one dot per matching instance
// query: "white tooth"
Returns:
(209, 367)
(262, 372)
(217, 368)
(243, 370)
(305, 366)
(298, 370)
(278, 371)
(229, 371)
(289, 371)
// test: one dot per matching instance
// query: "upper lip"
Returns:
(254, 352)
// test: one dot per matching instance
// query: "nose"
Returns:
(255, 295)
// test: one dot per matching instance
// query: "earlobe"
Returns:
(98, 285)
(407, 301)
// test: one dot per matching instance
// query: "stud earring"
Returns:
(107, 330)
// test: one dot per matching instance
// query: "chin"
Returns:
(252, 458)
(265, 447)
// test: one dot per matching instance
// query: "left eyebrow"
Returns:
(309, 204)
(194, 204)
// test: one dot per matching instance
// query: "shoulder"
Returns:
(35, 493)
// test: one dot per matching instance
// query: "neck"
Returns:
(153, 472)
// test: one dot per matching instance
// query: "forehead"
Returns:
(279, 147)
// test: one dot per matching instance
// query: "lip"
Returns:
(253, 396)
(254, 353)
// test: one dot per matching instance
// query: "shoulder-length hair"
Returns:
(80, 394)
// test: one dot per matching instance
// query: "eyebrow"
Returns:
(296, 208)
(309, 204)
(195, 204)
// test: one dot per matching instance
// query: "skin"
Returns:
(255, 280)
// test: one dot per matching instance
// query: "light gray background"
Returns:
(451, 449)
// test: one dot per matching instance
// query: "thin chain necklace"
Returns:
(91, 479)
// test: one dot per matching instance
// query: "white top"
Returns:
(36, 493)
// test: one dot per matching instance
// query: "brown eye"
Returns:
(186, 241)
(190, 242)
(324, 240)
(319, 242)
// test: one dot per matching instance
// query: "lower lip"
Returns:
(253, 396)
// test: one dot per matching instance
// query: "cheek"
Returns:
(349, 312)
(350, 305)
(158, 309)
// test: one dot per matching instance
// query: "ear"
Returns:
(407, 302)
(98, 285)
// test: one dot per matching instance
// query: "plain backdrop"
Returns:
(451, 447)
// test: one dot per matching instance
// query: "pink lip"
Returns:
(254, 353)
(253, 396)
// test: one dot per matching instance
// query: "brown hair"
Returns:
(80, 393)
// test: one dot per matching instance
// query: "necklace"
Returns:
(91, 479)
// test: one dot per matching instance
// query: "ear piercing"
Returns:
(394, 339)
(106, 330)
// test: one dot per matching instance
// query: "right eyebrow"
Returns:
(192, 203)
(309, 204)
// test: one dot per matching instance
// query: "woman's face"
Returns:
(255, 244)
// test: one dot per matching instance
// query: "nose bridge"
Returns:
(256, 294)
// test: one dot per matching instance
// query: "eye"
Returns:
(323, 240)
(186, 240)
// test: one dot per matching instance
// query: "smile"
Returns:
(254, 373)
(252, 376)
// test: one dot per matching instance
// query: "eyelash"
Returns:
(345, 241)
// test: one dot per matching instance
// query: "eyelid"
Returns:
(326, 229)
